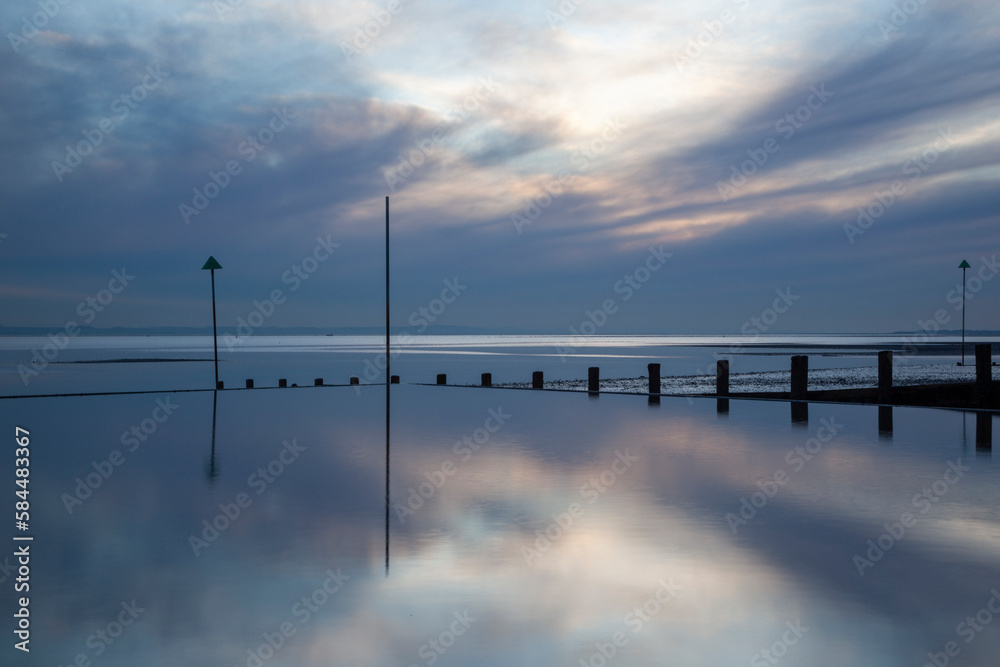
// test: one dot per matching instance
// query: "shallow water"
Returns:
(576, 523)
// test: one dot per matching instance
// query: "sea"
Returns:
(417, 524)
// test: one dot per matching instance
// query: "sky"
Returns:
(651, 167)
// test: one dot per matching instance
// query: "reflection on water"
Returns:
(525, 529)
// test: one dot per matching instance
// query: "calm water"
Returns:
(577, 528)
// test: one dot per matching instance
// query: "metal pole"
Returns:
(387, 385)
(215, 332)
(963, 317)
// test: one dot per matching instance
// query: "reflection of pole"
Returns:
(212, 470)
(387, 384)
(215, 332)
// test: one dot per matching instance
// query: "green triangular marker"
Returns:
(964, 265)
(211, 264)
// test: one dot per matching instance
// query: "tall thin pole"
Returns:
(387, 358)
(215, 332)
(387, 384)
(963, 317)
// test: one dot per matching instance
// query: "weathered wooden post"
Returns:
(220, 385)
(984, 374)
(486, 380)
(536, 379)
(393, 379)
(885, 420)
(355, 380)
(800, 375)
(282, 382)
(318, 382)
(885, 380)
(984, 430)
(722, 378)
(249, 383)
(442, 378)
(654, 378)
(594, 379)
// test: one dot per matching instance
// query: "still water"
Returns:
(523, 528)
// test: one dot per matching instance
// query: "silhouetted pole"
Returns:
(211, 265)
(594, 379)
(387, 359)
(885, 376)
(800, 373)
(536, 379)
(388, 382)
(442, 378)
(984, 374)
(654, 378)
(964, 265)
(722, 377)
(487, 379)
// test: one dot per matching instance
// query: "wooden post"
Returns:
(722, 378)
(984, 374)
(885, 420)
(594, 379)
(282, 382)
(220, 385)
(486, 380)
(800, 373)
(318, 382)
(393, 379)
(885, 380)
(355, 380)
(536, 380)
(984, 430)
(249, 383)
(654, 378)
(442, 378)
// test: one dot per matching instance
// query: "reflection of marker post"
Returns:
(964, 265)
(212, 265)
